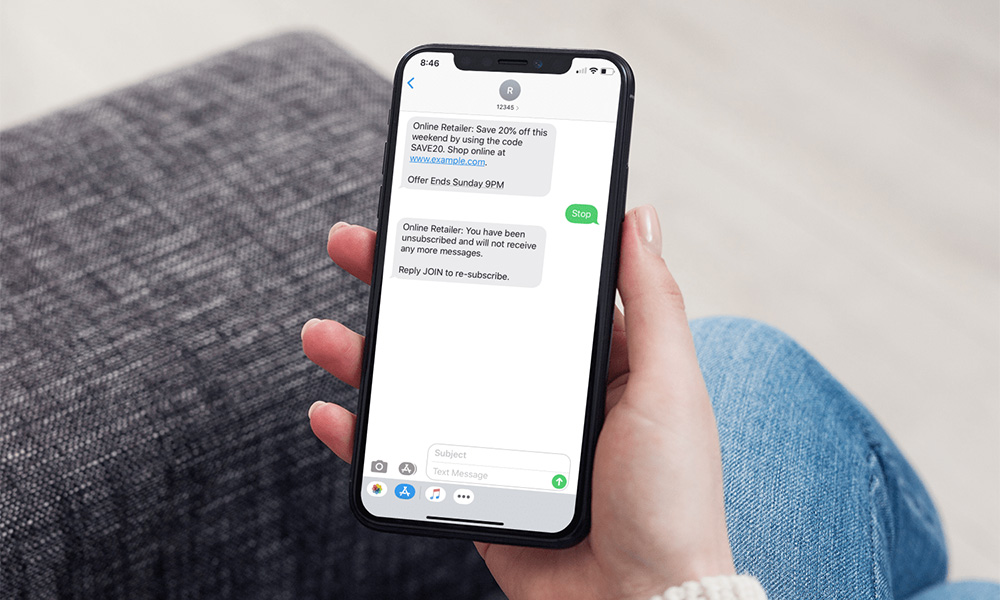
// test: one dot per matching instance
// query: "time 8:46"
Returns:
(430, 62)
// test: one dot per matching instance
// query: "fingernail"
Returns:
(335, 227)
(309, 324)
(649, 229)
(313, 407)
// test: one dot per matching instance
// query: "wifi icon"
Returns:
(593, 70)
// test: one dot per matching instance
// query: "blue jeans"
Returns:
(819, 501)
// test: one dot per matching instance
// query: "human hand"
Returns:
(657, 515)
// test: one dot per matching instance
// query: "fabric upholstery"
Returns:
(161, 248)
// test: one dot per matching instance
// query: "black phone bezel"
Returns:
(489, 59)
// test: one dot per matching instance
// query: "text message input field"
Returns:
(495, 466)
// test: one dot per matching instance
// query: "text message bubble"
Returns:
(581, 213)
(493, 157)
(485, 253)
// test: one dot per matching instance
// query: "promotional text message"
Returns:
(464, 155)
(463, 252)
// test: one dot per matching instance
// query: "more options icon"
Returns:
(464, 496)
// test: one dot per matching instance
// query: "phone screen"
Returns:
(494, 242)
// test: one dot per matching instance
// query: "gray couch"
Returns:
(161, 247)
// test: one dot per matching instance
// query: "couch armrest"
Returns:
(162, 246)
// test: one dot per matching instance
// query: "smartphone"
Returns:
(492, 298)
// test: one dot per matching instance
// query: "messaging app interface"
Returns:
(496, 227)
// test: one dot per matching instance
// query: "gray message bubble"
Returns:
(465, 252)
(466, 155)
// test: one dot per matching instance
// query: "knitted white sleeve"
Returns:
(732, 587)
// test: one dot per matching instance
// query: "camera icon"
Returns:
(380, 466)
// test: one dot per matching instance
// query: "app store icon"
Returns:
(405, 491)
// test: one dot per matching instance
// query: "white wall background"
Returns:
(831, 168)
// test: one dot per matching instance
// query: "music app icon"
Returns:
(435, 494)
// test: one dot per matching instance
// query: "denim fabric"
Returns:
(819, 501)
(963, 590)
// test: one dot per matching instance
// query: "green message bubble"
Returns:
(581, 213)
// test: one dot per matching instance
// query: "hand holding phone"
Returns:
(657, 513)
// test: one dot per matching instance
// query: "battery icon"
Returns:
(607, 71)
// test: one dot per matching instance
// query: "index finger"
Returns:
(334, 426)
(352, 247)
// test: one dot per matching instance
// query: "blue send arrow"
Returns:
(410, 82)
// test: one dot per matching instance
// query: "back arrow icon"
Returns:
(410, 82)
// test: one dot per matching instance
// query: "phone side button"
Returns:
(381, 204)
(385, 155)
(625, 186)
(607, 364)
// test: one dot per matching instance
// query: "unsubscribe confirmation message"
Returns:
(465, 252)
(495, 157)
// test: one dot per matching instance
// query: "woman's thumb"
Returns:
(656, 325)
